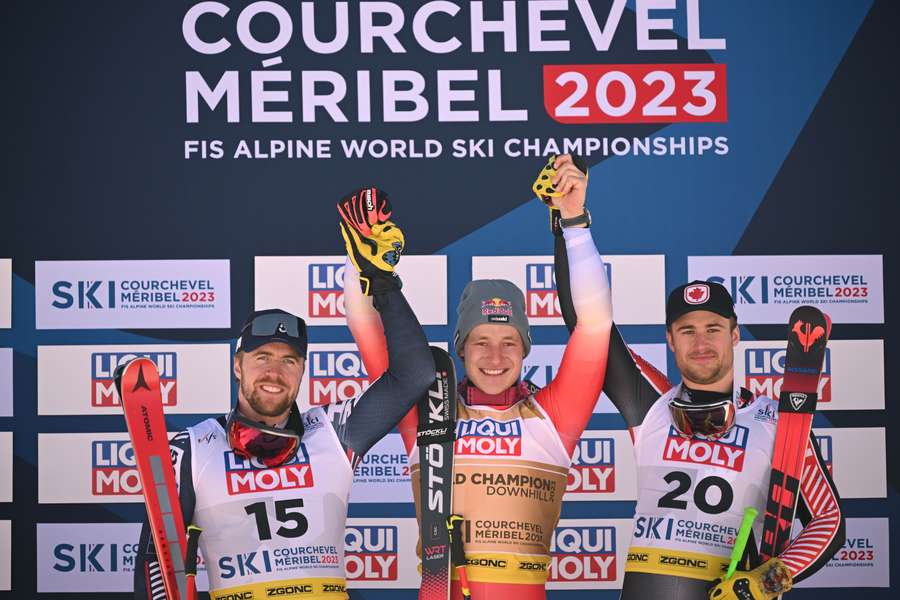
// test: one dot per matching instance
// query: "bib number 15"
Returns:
(287, 512)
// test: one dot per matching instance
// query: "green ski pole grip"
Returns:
(738, 551)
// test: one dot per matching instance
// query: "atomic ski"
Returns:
(435, 435)
(808, 331)
(138, 386)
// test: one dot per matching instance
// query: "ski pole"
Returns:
(190, 560)
(457, 554)
(741, 542)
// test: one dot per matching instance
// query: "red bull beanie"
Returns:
(491, 301)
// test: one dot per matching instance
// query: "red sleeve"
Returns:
(819, 508)
(368, 333)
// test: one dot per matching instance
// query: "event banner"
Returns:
(6, 382)
(193, 378)
(852, 372)
(312, 287)
(766, 289)
(6, 466)
(5, 293)
(542, 362)
(638, 286)
(856, 459)
(132, 294)
(862, 562)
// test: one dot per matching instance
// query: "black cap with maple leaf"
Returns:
(699, 295)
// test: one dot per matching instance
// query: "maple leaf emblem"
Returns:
(807, 334)
(696, 294)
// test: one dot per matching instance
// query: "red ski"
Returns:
(138, 386)
(808, 333)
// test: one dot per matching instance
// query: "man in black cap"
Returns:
(269, 485)
(704, 452)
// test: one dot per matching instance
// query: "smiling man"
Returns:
(269, 484)
(514, 443)
(703, 450)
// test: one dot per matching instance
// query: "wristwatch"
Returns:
(582, 219)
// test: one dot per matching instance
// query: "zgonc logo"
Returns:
(583, 554)
(371, 553)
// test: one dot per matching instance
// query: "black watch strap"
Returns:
(582, 219)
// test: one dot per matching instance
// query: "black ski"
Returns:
(435, 436)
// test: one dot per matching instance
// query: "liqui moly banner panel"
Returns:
(603, 467)
(194, 378)
(637, 284)
(91, 557)
(132, 294)
(5, 556)
(6, 466)
(335, 373)
(852, 373)
(5, 293)
(87, 467)
(542, 363)
(766, 289)
(862, 562)
(589, 554)
(6, 382)
(383, 474)
(856, 457)
(381, 553)
(312, 287)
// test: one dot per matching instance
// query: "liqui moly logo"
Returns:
(540, 290)
(825, 448)
(764, 368)
(583, 554)
(103, 367)
(727, 452)
(370, 553)
(113, 469)
(487, 437)
(593, 468)
(250, 475)
(336, 376)
(326, 290)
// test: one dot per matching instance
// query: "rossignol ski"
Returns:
(435, 436)
(138, 387)
(808, 331)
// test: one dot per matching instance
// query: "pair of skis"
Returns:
(138, 386)
(442, 545)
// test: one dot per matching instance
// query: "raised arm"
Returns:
(385, 328)
(631, 382)
(569, 399)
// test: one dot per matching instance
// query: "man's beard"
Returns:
(261, 408)
(704, 376)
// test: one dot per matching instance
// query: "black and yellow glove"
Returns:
(544, 190)
(374, 243)
(767, 581)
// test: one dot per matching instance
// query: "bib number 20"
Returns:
(286, 511)
(682, 481)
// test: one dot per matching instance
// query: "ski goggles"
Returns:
(711, 420)
(270, 445)
(273, 325)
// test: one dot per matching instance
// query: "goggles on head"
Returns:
(711, 420)
(272, 446)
